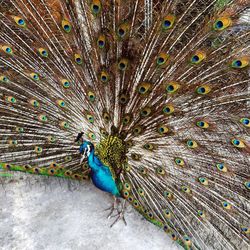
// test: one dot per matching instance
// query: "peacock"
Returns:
(147, 98)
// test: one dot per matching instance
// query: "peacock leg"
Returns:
(120, 215)
(111, 208)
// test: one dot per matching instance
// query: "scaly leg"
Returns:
(112, 208)
(120, 214)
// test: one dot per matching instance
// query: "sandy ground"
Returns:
(39, 213)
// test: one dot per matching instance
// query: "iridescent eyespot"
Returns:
(192, 144)
(144, 88)
(125, 193)
(247, 184)
(172, 87)
(78, 59)
(43, 52)
(122, 30)
(123, 64)
(167, 213)
(136, 157)
(198, 57)
(68, 158)
(168, 194)
(68, 173)
(168, 109)
(160, 171)
(150, 214)
(149, 146)
(101, 41)
(65, 83)
(222, 23)
(127, 186)
(42, 118)
(12, 142)
(19, 21)
(38, 149)
(136, 203)
(51, 139)
(10, 99)
(106, 117)
(203, 90)
(61, 103)
(238, 143)
(174, 236)
(179, 162)
(203, 181)
(90, 118)
(145, 112)
(126, 119)
(168, 22)
(34, 76)
(240, 63)
(245, 230)
(201, 214)
(104, 76)
(19, 129)
(202, 124)
(91, 96)
(34, 103)
(123, 99)
(66, 25)
(226, 205)
(129, 143)
(96, 7)
(185, 189)
(162, 58)
(143, 170)
(64, 125)
(221, 167)
(4, 79)
(245, 122)
(127, 167)
(7, 49)
(137, 130)
(91, 136)
(162, 130)
(187, 240)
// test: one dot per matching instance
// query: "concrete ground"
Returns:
(38, 213)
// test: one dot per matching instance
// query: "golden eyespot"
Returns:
(10, 99)
(51, 139)
(123, 98)
(203, 89)
(38, 149)
(203, 181)
(168, 22)
(238, 143)
(91, 96)
(19, 21)
(123, 30)
(179, 162)
(61, 103)
(162, 59)
(160, 171)
(162, 129)
(226, 205)
(91, 136)
(202, 124)
(104, 76)
(126, 119)
(172, 87)
(221, 167)
(198, 57)
(7, 49)
(149, 146)
(65, 83)
(123, 64)
(64, 125)
(168, 109)
(240, 63)
(144, 88)
(66, 25)
(145, 112)
(34, 76)
(186, 189)
(43, 52)
(137, 130)
(192, 144)
(4, 79)
(42, 118)
(222, 23)
(96, 7)
(106, 117)
(90, 118)
(34, 103)
(141, 192)
(245, 122)
(101, 41)
(78, 59)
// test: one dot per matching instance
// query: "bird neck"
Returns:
(91, 161)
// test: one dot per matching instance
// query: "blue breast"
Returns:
(102, 176)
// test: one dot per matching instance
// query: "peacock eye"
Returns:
(179, 161)
(202, 124)
(91, 136)
(247, 184)
(238, 143)
(168, 22)
(90, 118)
(162, 59)
(78, 59)
(141, 192)
(144, 88)
(186, 189)
(240, 63)
(122, 30)
(222, 23)
(245, 122)
(65, 83)
(7, 49)
(4, 79)
(198, 57)
(226, 205)
(66, 25)
(145, 112)
(168, 109)
(96, 7)
(221, 167)
(38, 149)
(10, 99)
(101, 41)
(203, 90)
(192, 144)
(43, 52)
(123, 64)
(203, 181)
(64, 125)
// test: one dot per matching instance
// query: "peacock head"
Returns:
(85, 149)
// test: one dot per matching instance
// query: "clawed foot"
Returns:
(120, 208)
